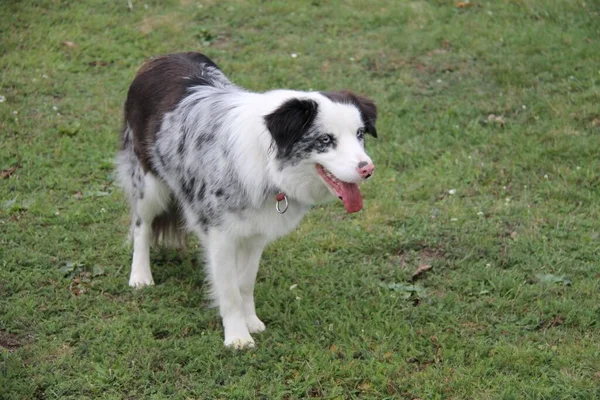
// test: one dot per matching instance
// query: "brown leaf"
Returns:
(6, 173)
(513, 235)
(556, 321)
(100, 63)
(420, 271)
(499, 119)
(68, 43)
(463, 4)
(9, 341)
(78, 195)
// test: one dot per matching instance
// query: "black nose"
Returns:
(362, 164)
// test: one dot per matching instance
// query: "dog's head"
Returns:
(320, 145)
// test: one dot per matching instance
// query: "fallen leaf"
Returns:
(463, 4)
(364, 387)
(71, 268)
(6, 173)
(69, 129)
(8, 204)
(550, 278)
(406, 291)
(68, 43)
(498, 119)
(513, 235)
(78, 195)
(556, 321)
(100, 63)
(97, 270)
(420, 272)
(13, 207)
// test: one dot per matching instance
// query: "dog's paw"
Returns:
(237, 335)
(139, 282)
(239, 342)
(254, 324)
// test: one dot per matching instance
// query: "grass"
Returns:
(496, 103)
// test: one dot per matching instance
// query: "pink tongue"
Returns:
(351, 197)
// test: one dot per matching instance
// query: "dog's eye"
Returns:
(360, 133)
(325, 139)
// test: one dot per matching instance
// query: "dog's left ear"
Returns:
(366, 107)
(290, 121)
(368, 112)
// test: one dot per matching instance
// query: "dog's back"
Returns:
(158, 87)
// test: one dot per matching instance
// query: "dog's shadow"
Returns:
(178, 266)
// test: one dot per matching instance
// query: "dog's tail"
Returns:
(168, 229)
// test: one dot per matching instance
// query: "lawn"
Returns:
(487, 172)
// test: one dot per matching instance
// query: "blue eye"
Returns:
(360, 133)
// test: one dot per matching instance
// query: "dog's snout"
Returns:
(365, 169)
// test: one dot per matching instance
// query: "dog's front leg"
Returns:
(222, 262)
(249, 255)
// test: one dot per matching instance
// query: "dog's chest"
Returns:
(267, 222)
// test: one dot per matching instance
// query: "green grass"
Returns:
(511, 307)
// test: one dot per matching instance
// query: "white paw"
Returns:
(236, 333)
(139, 282)
(254, 324)
(239, 342)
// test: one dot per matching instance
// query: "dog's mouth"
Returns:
(349, 193)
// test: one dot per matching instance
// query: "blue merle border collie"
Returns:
(237, 168)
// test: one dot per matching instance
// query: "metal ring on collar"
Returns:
(285, 207)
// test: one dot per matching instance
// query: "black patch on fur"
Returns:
(201, 192)
(203, 139)
(138, 222)
(161, 159)
(290, 122)
(188, 188)
(366, 107)
(219, 192)
(184, 134)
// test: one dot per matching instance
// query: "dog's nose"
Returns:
(365, 169)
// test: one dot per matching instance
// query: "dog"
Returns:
(238, 168)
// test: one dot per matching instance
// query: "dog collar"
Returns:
(281, 197)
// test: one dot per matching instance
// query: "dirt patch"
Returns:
(10, 341)
(221, 42)
(150, 24)
(556, 321)
(421, 254)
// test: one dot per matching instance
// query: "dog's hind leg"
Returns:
(222, 253)
(149, 197)
(248, 259)
(153, 199)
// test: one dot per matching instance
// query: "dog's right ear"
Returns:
(290, 121)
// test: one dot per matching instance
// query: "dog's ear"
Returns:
(366, 107)
(368, 112)
(290, 121)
